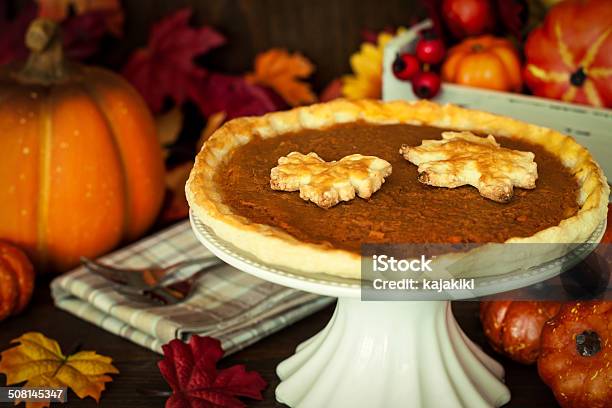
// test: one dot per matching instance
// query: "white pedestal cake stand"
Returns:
(384, 354)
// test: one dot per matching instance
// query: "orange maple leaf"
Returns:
(282, 71)
(58, 10)
(38, 361)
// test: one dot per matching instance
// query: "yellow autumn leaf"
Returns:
(366, 81)
(282, 71)
(39, 362)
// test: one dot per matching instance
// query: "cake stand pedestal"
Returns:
(391, 354)
(382, 353)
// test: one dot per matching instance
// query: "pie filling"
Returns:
(403, 210)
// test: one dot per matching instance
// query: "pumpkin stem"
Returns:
(46, 62)
(477, 47)
(577, 78)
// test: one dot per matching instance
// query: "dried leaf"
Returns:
(83, 33)
(214, 122)
(12, 33)
(234, 96)
(165, 68)
(282, 72)
(191, 371)
(38, 361)
(169, 126)
(176, 207)
(59, 10)
(332, 91)
(366, 81)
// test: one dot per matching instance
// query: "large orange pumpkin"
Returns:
(570, 56)
(81, 167)
(484, 62)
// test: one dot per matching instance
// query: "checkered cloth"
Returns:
(228, 304)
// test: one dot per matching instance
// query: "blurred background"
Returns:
(327, 32)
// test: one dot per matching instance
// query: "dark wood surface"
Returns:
(138, 369)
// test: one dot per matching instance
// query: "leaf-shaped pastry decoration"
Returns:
(461, 158)
(328, 183)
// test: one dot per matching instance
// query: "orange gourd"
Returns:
(484, 62)
(81, 167)
(16, 280)
(513, 328)
(569, 57)
(576, 354)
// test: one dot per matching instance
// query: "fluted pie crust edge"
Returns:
(274, 246)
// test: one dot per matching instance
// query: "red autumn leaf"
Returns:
(332, 91)
(165, 68)
(82, 33)
(59, 10)
(234, 96)
(191, 371)
(12, 33)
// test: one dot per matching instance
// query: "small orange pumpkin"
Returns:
(513, 328)
(81, 167)
(576, 355)
(16, 280)
(569, 57)
(484, 62)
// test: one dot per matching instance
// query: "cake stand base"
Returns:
(391, 354)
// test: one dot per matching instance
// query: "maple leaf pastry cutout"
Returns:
(462, 158)
(328, 183)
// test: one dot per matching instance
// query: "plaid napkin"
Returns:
(228, 304)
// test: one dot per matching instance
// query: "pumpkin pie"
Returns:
(229, 187)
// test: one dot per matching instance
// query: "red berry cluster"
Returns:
(418, 67)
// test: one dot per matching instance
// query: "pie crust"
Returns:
(274, 246)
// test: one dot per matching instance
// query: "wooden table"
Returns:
(138, 369)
